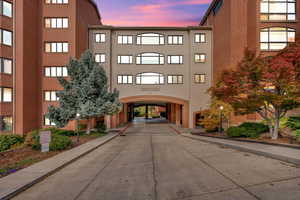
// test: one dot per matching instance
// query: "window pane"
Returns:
(7, 37)
(48, 47)
(65, 47)
(53, 23)
(120, 79)
(58, 71)
(130, 81)
(7, 9)
(59, 47)
(48, 23)
(7, 66)
(65, 71)
(53, 71)
(47, 71)
(7, 95)
(53, 47)
(65, 23)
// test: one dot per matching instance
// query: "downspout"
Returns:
(14, 66)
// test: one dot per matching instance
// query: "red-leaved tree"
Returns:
(269, 86)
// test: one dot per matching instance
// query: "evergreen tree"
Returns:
(85, 92)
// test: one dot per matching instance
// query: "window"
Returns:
(57, 1)
(47, 122)
(100, 37)
(125, 39)
(175, 39)
(199, 78)
(56, 47)
(277, 10)
(276, 38)
(5, 94)
(6, 8)
(150, 39)
(200, 38)
(57, 22)
(5, 66)
(124, 59)
(175, 79)
(200, 58)
(100, 58)
(150, 79)
(150, 59)
(6, 123)
(6, 37)
(50, 96)
(125, 79)
(56, 71)
(175, 59)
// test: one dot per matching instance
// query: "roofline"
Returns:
(208, 11)
(157, 28)
(96, 7)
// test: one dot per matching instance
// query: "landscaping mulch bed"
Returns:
(280, 141)
(22, 157)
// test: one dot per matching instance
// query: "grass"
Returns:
(18, 165)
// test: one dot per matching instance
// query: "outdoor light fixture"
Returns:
(221, 120)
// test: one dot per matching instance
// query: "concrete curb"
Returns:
(250, 141)
(14, 184)
(284, 158)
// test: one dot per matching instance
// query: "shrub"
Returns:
(236, 131)
(293, 122)
(8, 141)
(297, 134)
(101, 127)
(58, 142)
(82, 127)
(259, 128)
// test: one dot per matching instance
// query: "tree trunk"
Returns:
(276, 125)
(88, 126)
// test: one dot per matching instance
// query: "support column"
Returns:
(177, 115)
(125, 110)
(173, 113)
(114, 121)
(146, 112)
(107, 120)
(185, 115)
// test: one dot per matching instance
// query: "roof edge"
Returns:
(208, 11)
(150, 27)
(97, 10)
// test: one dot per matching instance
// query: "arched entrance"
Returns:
(176, 110)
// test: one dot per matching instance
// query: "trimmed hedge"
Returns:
(293, 122)
(8, 141)
(58, 142)
(297, 134)
(247, 129)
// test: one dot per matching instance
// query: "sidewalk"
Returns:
(286, 154)
(17, 182)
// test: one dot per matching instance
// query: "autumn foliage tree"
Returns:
(269, 86)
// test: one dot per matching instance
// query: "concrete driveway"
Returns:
(153, 163)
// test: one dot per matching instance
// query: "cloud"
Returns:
(157, 13)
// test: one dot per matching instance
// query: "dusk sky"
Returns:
(152, 12)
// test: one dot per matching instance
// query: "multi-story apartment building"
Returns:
(37, 39)
(166, 66)
(264, 26)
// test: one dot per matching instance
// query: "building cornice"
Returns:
(157, 28)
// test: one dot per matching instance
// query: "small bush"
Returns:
(259, 128)
(82, 127)
(101, 127)
(59, 142)
(293, 122)
(248, 129)
(236, 131)
(297, 134)
(8, 141)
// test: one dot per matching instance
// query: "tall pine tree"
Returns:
(85, 92)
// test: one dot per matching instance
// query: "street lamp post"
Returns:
(77, 126)
(221, 120)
